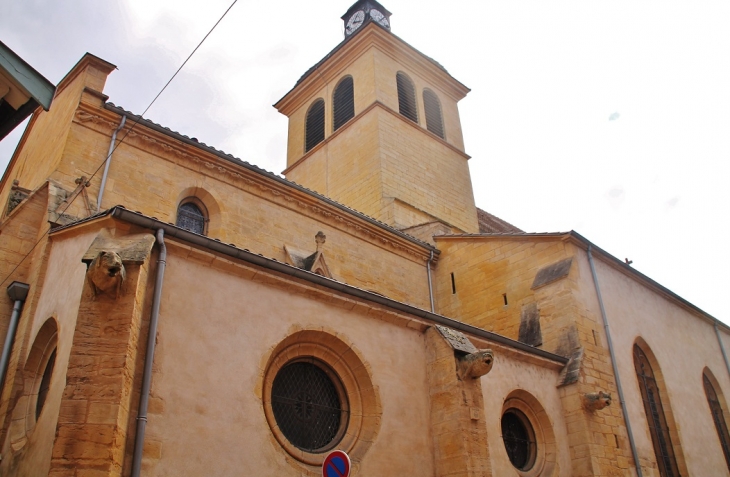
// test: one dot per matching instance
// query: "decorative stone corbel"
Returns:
(106, 258)
(471, 363)
(596, 401)
(475, 365)
(106, 273)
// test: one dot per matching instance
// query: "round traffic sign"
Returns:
(336, 464)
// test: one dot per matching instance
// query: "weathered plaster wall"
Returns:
(683, 344)
(217, 325)
(64, 279)
(513, 373)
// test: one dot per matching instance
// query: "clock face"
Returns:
(379, 17)
(355, 22)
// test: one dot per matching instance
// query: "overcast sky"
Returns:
(608, 118)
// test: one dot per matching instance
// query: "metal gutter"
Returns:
(108, 162)
(270, 264)
(149, 357)
(17, 292)
(233, 160)
(614, 364)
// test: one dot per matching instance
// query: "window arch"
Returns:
(406, 97)
(718, 414)
(192, 216)
(434, 118)
(344, 102)
(315, 125)
(655, 416)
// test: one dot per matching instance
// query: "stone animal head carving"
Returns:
(106, 273)
(475, 365)
(596, 401)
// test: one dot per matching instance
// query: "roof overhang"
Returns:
(22, 90)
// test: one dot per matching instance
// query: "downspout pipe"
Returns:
(144, 398)
(722, 348)
(17, 292)
(614, 364)
(430, 285)
(108, 162)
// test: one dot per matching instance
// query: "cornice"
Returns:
(257, 183)
(376, 104)
(372, 36)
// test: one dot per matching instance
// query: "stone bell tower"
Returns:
(375, 125)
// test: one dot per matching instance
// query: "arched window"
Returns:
(666, 460)
(315, 124)
(434, 119)
(344, 102)
(718, 417)
(406, 97)
(45, 384)
(191, 216)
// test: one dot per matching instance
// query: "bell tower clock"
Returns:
(365, 11)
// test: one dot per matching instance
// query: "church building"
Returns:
(172, 310)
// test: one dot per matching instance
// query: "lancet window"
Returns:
(718, 417)
(434, 118)
(658, 428)
(344, 102)
(406, 97)
(315, 124)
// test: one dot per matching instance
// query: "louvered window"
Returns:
(344, 102)
(666, 461)
(434, 118)
(718, 418)
(315, 124)
(190, 217)
(406, 97)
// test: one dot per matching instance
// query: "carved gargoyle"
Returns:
(475, 365)
(106, 272)
(596, 401)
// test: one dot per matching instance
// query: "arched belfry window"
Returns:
(191, 216)
(718, 417)
(343, 102)
(406, 97)
(434, 118)
(315, 124)
(666, 460)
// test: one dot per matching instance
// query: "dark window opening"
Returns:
(307, 406)
(519, 439)
(434, 118)
(344, 102)
(718, 418)
(406, 97)
(190, 217)
(658, 428)
(45, 384)
(315, 124)
(504, 297)
(453, 284)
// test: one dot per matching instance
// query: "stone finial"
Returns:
(320, 238)
(106, 273)
(475, 365)
(596, 401)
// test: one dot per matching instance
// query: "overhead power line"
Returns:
(134, 124)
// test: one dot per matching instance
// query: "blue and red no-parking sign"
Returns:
(336, 464)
